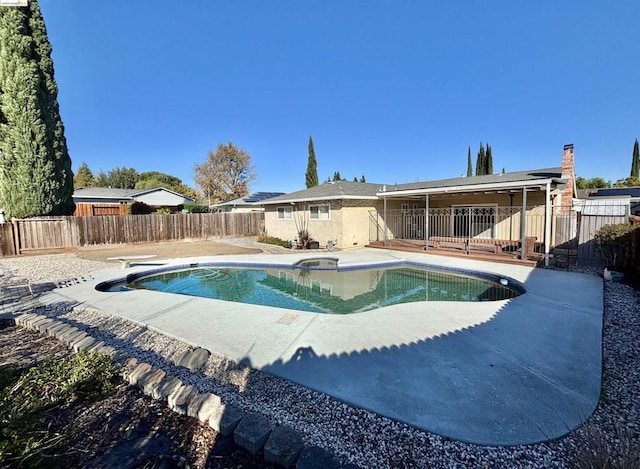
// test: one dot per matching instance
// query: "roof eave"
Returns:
(320, 198)
(469, 188)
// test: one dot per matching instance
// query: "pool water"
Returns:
(324, 290)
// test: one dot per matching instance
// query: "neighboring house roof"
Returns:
(633, 192)
(117, 195)
(489, 181)
(334, 190)
(248, 200)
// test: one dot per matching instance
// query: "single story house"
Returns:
(478, 212)
(248, 203)
(109, 201)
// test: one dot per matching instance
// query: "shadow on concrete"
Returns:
(529, 374)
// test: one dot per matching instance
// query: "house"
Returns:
(108, 201)
(248, 203)
(468, 213)
(631, 194)
(332, 211)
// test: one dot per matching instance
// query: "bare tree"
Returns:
(227, 173)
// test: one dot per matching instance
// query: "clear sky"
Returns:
(392, 90)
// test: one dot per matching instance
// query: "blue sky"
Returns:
(392, 90)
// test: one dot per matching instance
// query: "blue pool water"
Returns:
(323, 290)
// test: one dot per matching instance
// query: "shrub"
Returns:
(196, 208)
(273, 240)
(614, 244)
(139, 208)
(26, 394)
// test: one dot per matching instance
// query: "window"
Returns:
(285, 213)
(319, 212)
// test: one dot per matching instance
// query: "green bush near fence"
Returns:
(196, 208)
(615, 245)
(273, 240)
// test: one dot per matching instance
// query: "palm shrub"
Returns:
(614, 244)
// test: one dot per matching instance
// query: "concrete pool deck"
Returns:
(497, 373)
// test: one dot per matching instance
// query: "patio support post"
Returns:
(426, 222)
(523, 225)
(547, 224)
(384, 216)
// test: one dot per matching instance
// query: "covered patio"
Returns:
(515, 217)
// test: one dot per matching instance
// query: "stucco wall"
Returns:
(348, 222)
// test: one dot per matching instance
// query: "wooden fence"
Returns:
(50, 233)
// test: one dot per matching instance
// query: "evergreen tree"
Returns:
(122, 178)
(101, 179)
(469, 165)
(488, 161)
(312, 166)
(481, 163)
(84, 177)
(336, 176)
(635, 162)
(362, 179)
(35, 167)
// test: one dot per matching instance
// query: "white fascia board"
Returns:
(317, 199)
(469, 188)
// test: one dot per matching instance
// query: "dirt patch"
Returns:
(126, 429)
(165, 250)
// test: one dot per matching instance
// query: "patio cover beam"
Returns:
(537, 183)
(547, 224)
(426, 222)
(523, 225)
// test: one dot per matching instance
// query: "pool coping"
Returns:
(496, 373)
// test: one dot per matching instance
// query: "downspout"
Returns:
(547, 224)
(523, 225)
(426, 222)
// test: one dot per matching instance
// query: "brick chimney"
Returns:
(568, 173)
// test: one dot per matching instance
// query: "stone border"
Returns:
(280, 444)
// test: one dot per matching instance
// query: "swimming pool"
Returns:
(319, 286)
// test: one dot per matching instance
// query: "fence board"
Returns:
(44, 233)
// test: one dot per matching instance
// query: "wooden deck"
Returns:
(413, 245)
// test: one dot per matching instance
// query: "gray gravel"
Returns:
(362, 437)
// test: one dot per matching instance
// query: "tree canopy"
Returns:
(591, 183)
(311, 177)
(635, 161)
(35, 167)
(484, 161)
(227, 173)
(83, 177)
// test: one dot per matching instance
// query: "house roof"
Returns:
(114, 193)
(251, 199)
(334, 190)
(633, 192)
(487, 181)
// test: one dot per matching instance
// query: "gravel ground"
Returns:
(364, 438)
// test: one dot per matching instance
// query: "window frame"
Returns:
(284, 210)
(318, 218)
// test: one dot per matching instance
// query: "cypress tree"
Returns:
(481, 163)
(469, 166)
(35, 167)
(489, 161)
(635, 161)
(312, 166)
